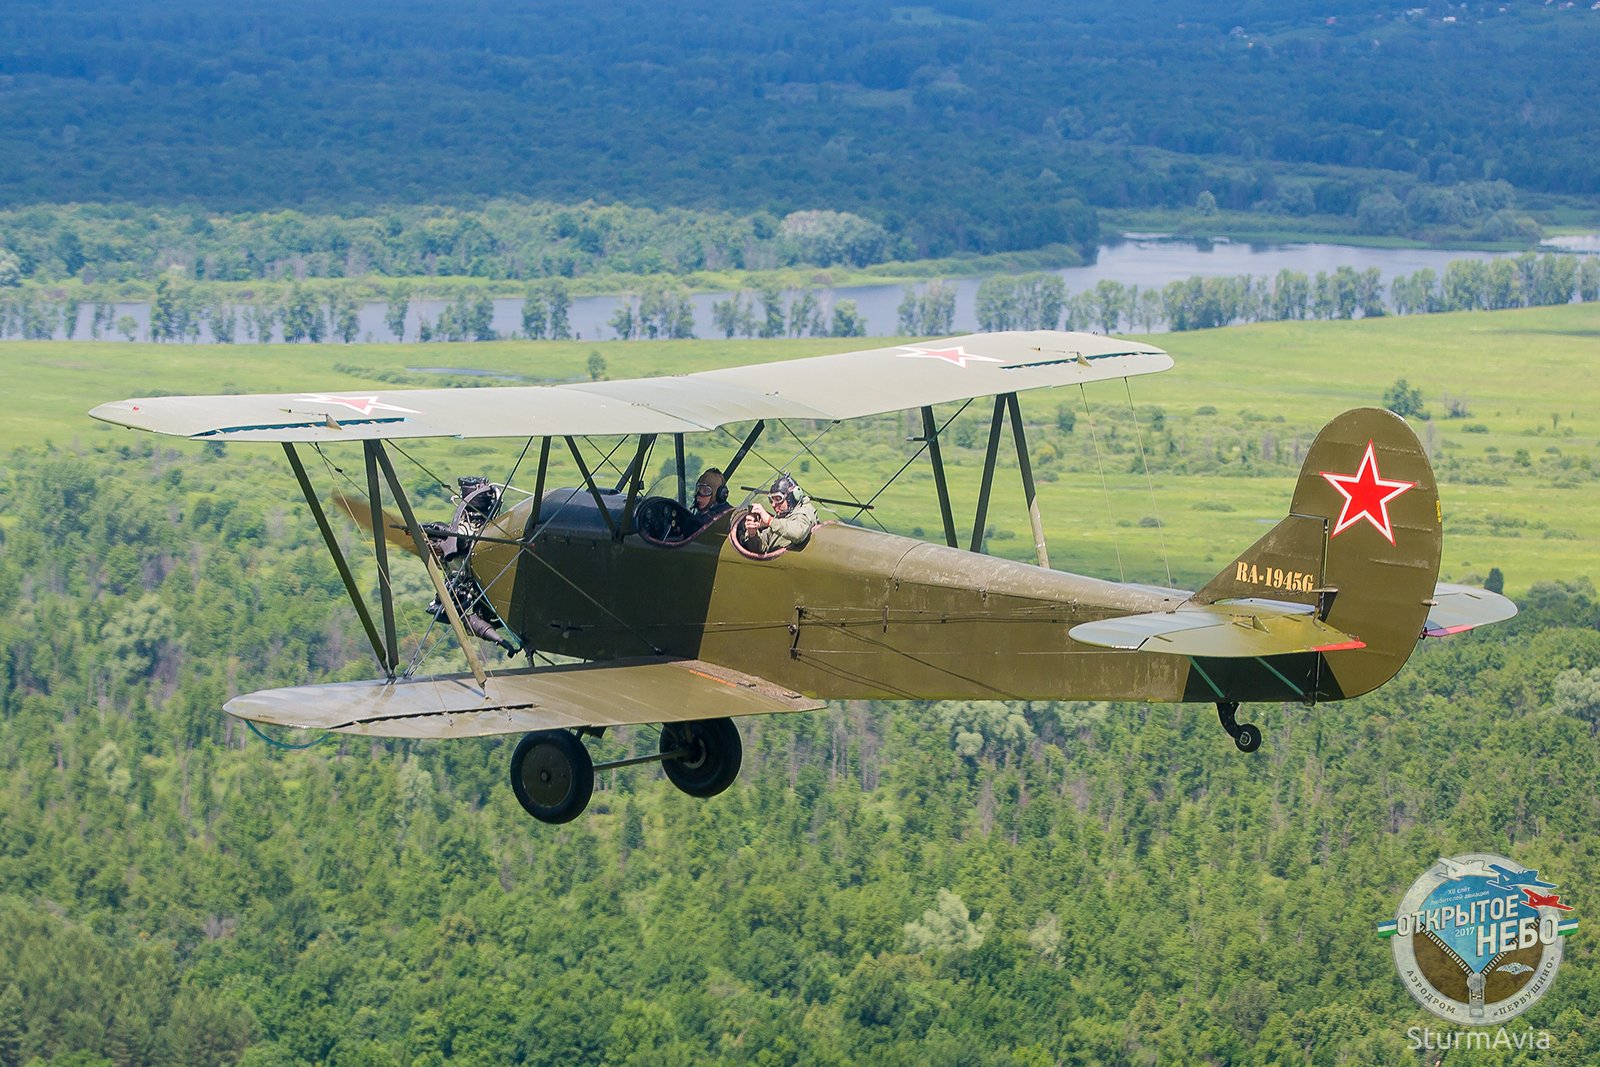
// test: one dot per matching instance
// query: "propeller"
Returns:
(394, 528)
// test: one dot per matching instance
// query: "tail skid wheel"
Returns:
(1246, 735)
(552, 775)
(712, 754)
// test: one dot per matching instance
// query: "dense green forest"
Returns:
(888, 883)
(909, 884)
(953, 126)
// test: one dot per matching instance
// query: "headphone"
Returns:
(721, 495)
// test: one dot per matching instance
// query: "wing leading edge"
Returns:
(614, 693)
(844, 386)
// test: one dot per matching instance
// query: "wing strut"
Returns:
(1004, 404)
(1028, 490)
(447, 601)
(988, 472)
(683, 475)
(744, 449)
(635, 480)
(930, 434)
(380, 553)
(538, 487)
(338, 556)
(594, 490)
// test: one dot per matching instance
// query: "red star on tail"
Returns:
(1366, 496)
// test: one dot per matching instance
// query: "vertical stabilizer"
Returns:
(1361, 542)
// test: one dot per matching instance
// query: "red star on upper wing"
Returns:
(1366, 496)
(954, 354)
(363, 405)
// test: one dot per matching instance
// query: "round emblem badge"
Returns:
(1477, 938)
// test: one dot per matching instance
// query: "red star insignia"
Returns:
(1366, 496)
(363, 405)
(954, 354)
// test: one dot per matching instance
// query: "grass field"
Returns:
(1517, 474)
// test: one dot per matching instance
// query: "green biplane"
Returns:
(677, 623)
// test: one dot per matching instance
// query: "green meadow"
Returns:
(1512, 427)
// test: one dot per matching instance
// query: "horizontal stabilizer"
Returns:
(613, 693)
(1457, 608)
(1229, 629)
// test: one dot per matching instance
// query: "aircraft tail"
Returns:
(1361, 544)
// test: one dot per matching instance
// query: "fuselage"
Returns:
(853, 613)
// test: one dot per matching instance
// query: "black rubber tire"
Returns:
(1248, 738)
(552, 776)
(715, 753)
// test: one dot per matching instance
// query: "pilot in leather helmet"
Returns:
(710, 494)
(784, 522)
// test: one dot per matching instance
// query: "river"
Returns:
(1144, 261)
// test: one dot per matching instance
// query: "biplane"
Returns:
(658, 617)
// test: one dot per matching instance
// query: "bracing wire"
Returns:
(500, 498)
(1105, 485)
(1144, 461)
(804, 449)
(607, 459)
(440, 482)
(917, 454)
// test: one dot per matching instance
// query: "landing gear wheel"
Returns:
(552, 776)
(712, 757)
(1246, 735)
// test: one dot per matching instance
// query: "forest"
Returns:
(907, 883)
(954, 127)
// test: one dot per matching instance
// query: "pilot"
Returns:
(710, 495)
(789, 522)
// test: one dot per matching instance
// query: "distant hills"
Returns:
(953, 126)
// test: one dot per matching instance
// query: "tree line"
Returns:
(502, 239)
(186, 312)
(1041, 301)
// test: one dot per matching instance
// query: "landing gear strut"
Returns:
(552, 775)
(1247, 735)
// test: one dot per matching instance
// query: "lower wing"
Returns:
(612, 693)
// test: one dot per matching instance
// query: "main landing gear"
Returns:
(1247, 735)
(553, 776)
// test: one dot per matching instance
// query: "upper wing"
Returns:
(615, 693)
(844, 386)
(1231, 628)
(1461, 607)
